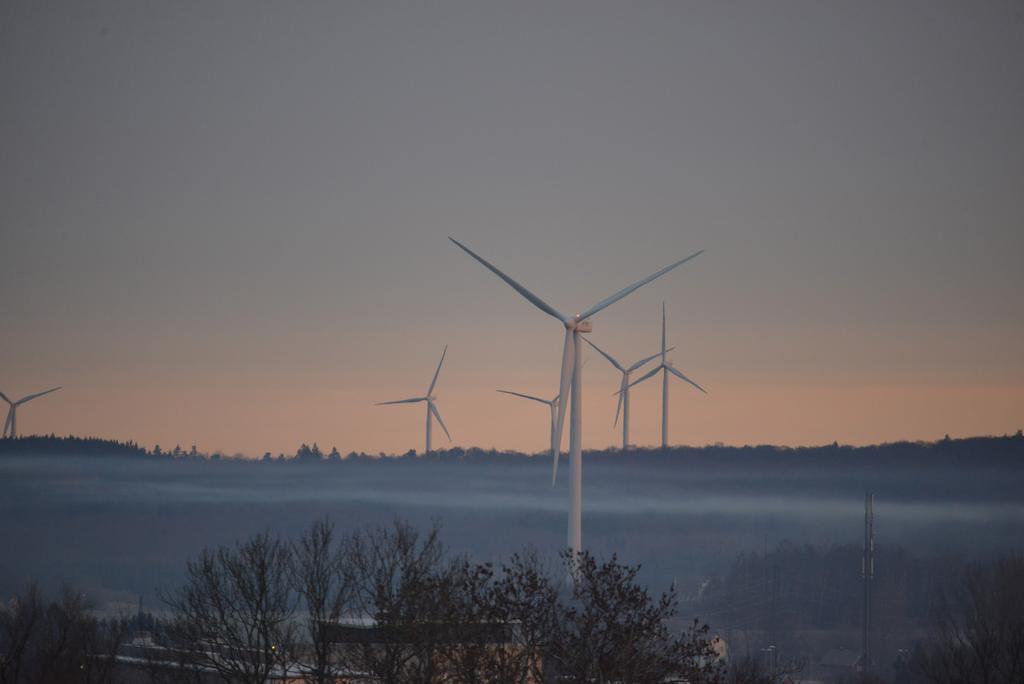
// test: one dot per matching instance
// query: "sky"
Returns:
(225, 224)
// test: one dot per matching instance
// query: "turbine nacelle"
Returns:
(583, 326)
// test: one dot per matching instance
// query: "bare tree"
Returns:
(526, 596)
(57, 642)
(426, 617)
(471, 648)
(235, 612)
(20, 622)
(612, 630)
(501, 621)
(454, 621)
(320, 578)
(977, 629)
(396, 577)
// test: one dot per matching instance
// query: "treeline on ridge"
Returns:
(1007, 449)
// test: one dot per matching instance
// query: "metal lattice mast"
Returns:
(868, 574)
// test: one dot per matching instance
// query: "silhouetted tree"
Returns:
(20, 622)
(235, 612)
(501, 621)
(320, 578)
(61, 641)
(397, 578)
(977, 628)
(612, 630)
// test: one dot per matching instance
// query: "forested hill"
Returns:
(52, 445)
(973, 451)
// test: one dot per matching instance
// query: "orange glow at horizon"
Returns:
(244, 422)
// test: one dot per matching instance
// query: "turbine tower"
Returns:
(666, 367)
(429, 398)
(553, 405)
(11, 424)
(571, 372)
(623, 405)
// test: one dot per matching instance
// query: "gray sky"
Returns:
(225, 223)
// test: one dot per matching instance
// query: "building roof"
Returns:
(841, 657)
(348, 633)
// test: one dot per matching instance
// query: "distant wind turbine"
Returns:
(666, 367)
(571, 372)
(11, 424)
(553, 405)
(623, 405)
(429, 398)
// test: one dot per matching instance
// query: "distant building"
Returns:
(443, 636)
(839, 663)
(142, 661)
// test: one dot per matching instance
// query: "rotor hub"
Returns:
(577, 325)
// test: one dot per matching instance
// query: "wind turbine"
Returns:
(666, 367)
(11, 424)
(429, 398)
(623, 392)
(553, 405)
(571, 373)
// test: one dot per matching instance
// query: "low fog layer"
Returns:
(123, 526)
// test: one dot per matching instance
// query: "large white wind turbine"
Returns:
(666, 367)
(429, 398)
(571, 373)
(623, 405)
(11, 424)
(553, 405)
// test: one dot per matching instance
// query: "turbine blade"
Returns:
(626, 290)
(414, 400)
(434, 381)
(663, 350)
(618, 407)
(4, 397)
(651, 374)
(525, 396)
(555, 453)
(568, 352)
(647, 359)
(604, 354)
(532, 298)
(679, 375)
(33, 396)
(554, 447)
(433, 409)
